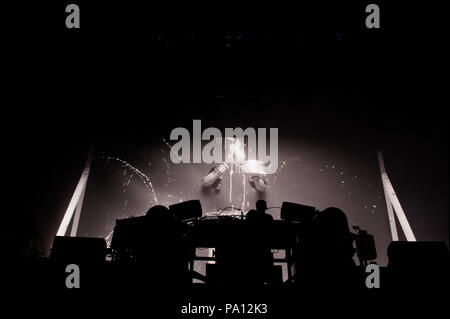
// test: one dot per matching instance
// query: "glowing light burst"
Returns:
(236, 155)
(254, 167)
(235, 151)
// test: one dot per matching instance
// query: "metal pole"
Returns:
(390, 211)
(76, 218)
(76, 200)
(401, 216)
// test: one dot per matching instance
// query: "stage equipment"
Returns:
(297, 212)
(187, 210)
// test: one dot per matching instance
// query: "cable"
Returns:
(236, 208)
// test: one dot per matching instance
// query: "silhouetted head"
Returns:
(261, 205)
(159, 213)
(334, 221)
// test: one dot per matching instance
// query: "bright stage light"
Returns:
(254, 167)
(235, 151)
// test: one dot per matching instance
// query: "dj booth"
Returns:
(214, 232)
(234, 243)
(240, 234)
(228, 244)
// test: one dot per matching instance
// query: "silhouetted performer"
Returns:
(259, 215)
(326, 253)
(249, 261)
(160, 249)
(260, 252)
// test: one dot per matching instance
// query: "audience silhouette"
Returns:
(325, 255)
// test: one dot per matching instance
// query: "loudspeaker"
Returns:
(297, 212)
(78, 250)
(187, 210)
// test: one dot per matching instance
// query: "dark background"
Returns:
(135, 71)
